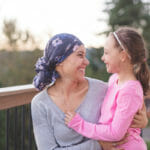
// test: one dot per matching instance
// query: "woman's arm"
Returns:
(127, 106)
(140, 119)
(44, 136)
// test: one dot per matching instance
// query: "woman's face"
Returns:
(75, 64)
(111, 56)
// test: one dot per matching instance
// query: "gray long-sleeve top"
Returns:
(49, 127)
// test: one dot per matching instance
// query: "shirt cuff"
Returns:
(75, 120)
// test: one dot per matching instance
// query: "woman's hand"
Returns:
(140, 119)
(113, 145)
(68, 116)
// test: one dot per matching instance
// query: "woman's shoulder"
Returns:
(96, 81)
(38, 98)
(97, 84)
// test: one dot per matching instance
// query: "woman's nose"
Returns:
(86, 61)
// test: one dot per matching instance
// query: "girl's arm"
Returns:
(44, 135)
(128, 104)
(140, 119)
(108, 145)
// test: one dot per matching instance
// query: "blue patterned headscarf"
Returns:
(57, 49)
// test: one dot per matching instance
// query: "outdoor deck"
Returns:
(16, 131)
(15, 118)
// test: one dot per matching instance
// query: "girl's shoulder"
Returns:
(112, 79)
(132, 86)
(132, 92)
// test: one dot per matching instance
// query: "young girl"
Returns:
(125, 57)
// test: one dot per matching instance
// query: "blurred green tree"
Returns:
(11, 32)
(96, 68)
(135, 13)
(16, 38)
(17, 68)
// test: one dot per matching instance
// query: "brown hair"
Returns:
(134, 44)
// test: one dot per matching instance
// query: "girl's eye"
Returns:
(105, 53)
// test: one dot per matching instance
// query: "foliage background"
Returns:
(17, 60)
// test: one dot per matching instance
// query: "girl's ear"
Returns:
(124, 56)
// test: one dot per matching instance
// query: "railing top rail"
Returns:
(16, 95)
(16, 89)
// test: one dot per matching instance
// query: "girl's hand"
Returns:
(140, 119)
(69, 116)
(113, 145)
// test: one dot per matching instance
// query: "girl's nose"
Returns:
(102, 58)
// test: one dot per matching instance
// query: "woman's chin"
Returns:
(81, 77)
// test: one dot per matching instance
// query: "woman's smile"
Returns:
(81, 70)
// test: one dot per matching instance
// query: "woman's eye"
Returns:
(81, 55)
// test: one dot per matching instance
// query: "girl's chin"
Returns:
(109, 71)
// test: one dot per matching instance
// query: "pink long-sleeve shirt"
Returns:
(118, 109)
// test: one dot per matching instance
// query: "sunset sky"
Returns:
(44, 17)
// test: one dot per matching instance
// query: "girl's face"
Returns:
(112, 56)
(74, 65)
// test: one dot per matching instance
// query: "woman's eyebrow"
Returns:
(80, 52)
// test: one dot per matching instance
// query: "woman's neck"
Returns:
(67, 86)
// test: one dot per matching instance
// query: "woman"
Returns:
(63, 67)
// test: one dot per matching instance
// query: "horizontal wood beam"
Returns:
(16, 96)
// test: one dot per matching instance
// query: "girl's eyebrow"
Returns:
(105, 49)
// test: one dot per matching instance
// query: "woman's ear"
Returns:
(60, 64)
(59, 67)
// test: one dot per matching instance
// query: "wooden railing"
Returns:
(15, 118)
(16, 131)
(16, 96)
